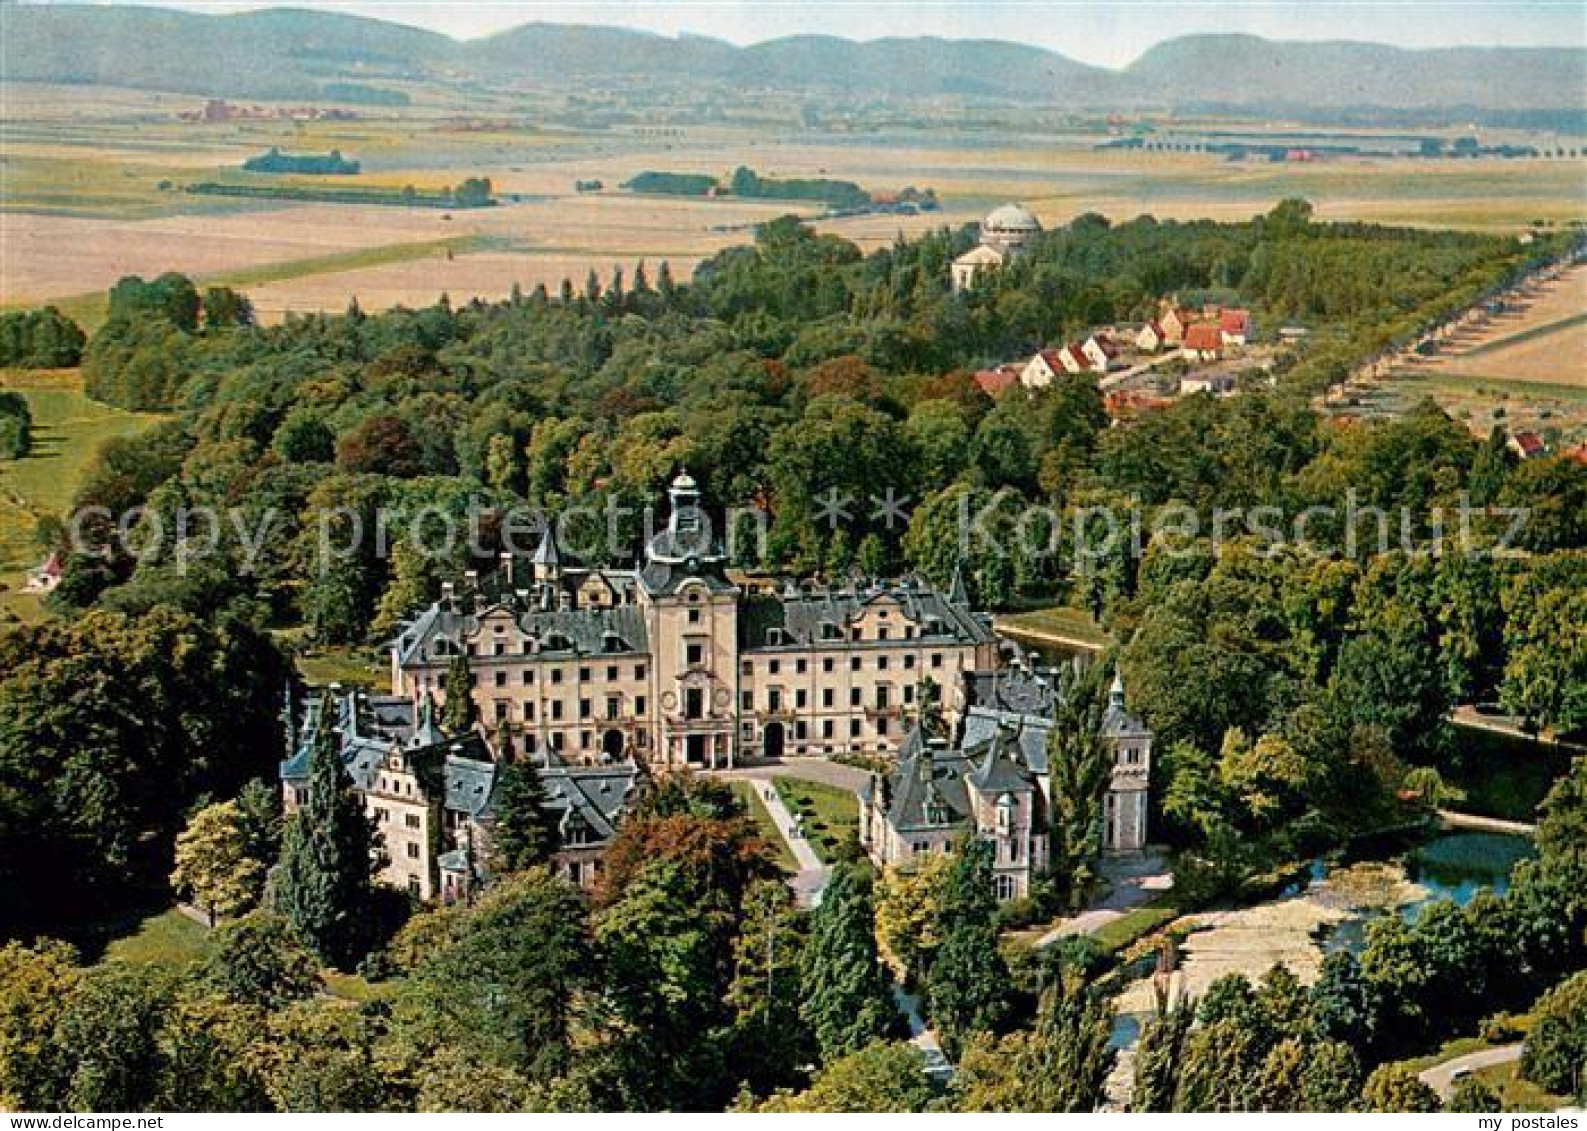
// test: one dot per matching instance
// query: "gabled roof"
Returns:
(994, 381)
(1203, 336)
(980, 256)
(1233, 320)
(930, 787)
(437, 633)
(594, 796)
(1529, 443)
(1105, 343)
(800, 618)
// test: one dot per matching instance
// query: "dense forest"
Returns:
(39, 339)
(1298, 685)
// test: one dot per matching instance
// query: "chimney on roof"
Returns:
(448, 594)
(507, 569)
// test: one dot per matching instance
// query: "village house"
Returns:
(1527, 445)
(996, 380)
(431, 795)
(1202, 342)
(672, 664)
(1152, 337)
(1218, 384)
(995, 782)
(47, 578)
(1100, 352)
(1175, 320)
(1006, 232)
(1234, 326)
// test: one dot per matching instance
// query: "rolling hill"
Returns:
(299, 54)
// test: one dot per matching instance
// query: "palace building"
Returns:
(1006, 232)
(431, 796)
(673, 664)
(995, 783)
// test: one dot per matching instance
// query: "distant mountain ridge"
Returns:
(298, 54)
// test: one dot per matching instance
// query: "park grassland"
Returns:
(68, 430)
(748, 792)
(829, 815)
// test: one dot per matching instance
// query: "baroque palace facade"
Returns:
(674, 665)
(600, 675)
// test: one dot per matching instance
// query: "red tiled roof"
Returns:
(994, 381)
(1233, 321)
(1578, 454)
(1203, 336)
(1107, 344)
(1529, 442)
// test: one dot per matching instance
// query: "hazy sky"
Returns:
(1108, 34)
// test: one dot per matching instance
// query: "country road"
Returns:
(1440, 1077)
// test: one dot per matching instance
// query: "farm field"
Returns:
(93, 191)
(67, 431)
(1524, 368)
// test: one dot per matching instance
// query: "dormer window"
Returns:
(776, 637)
(1005, 813)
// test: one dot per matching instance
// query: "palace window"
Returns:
(411, 820)
(413, 851)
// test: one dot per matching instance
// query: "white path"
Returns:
(1441, 1077)
(811, 878)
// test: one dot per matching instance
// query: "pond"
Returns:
(1329, 911)
(1453, 865)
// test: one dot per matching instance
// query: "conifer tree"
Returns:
(1159, 1054)
(327, 858)
(459, 713)
(846, 999)
(525, 833)
(968, 981)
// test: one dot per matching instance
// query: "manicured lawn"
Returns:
(1059, 624)
(1134, 924)
(748, 793)
(168, 939)
(68, 429)
(359, 666)
(831, 815)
